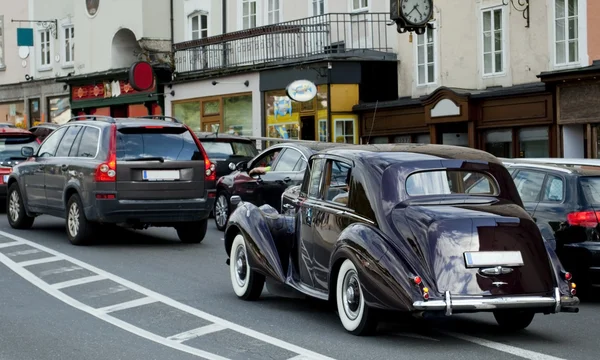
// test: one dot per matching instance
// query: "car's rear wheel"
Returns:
(192, 233)
(15, 209)
(356, 317)
(221, 211)
(79, 230)
(514, 320)
(247, 284)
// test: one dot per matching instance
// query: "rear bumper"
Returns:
(465, 304)
(150, 211)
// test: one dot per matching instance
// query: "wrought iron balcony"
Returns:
(362, 35)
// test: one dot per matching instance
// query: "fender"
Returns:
(263, 229)
(385, 277)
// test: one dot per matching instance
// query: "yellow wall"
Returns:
(343, 97)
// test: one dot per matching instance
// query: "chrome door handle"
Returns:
(288, 206)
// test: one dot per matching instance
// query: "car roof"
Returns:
(45, 125)
(164, 121)
(202, 135)
(575, 169)
(14, 131)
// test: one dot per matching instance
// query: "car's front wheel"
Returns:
(15, 209)
(247, 284)
(221, 211)
(192, 233)
(514, 320)
(79, 229)
(356, 317)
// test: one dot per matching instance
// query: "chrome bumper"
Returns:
(480, 303)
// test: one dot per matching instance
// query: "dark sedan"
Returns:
(41, 131)
(11, 142)
(224, 149)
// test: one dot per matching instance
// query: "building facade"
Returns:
(235, 58)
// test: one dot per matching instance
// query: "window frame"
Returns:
(518, 172)
(2, 47)
(281, 153)
(198, 14)
(581, 35)
(63, 48)
(58, 132)
(50, 50)
(365, 6)
(305, 190)
(98, 141)
(278, 12)
(311, 9)
(325, 187)
(257, 14)
(69, 128)
(503, 41)
(435, 58)
(354, 127)
(544, 187)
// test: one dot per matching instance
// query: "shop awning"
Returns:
(571, 74)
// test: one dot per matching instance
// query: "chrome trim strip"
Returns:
(557, 300)
(448, 304)
(479, 303)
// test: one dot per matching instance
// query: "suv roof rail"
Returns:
(159, 117)
(109, 119)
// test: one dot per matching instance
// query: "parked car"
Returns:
(402, 234)
(564, 199)
(288, 162)
(12, 140)
(7, 125)
(101, 170)
(224, 149)
(41, 131)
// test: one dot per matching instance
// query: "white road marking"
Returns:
(80, 281)
(61, 270)
(110, 290)
(513, 350)
(9, 244)
(192, 334)
(35, 280)
(24, 252)
(128, 305)
(40, 261)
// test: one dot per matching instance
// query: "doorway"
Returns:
(456, 134)
(307, 126)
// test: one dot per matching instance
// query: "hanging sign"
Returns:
(141, 76)
(24, 37)
(301, 90)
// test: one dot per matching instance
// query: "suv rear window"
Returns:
(169, 143)
(10, 146)
(222, 149)
(591, 189)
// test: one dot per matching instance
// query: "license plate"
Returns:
(5, 178)
(476, 259)
(160, 175)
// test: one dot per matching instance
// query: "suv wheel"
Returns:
(192, 233)
(221, 211)
(79, 229)
(15, 209)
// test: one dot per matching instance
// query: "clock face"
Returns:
(416, 12)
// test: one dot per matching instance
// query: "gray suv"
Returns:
(101, 171)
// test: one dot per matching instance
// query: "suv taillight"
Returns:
(588, 219)
(210, 173)
(107, 171)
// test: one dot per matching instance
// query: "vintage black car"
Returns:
(402, 228)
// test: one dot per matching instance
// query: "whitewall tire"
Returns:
(247, 284)
(355, 315)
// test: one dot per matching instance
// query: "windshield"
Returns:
(221, 149)
(591, 189)
(445, 182)
(10, 147)
(168, 143)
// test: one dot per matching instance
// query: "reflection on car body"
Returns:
(414, 234)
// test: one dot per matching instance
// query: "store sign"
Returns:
(141, 76)
(301, 90)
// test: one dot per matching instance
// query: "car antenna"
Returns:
(372, 122)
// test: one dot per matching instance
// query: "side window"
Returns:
(76, 142)
(529, 184)
(337, 181)
(287, 161)
(64, 148)
(314, 185)
(266, 159)
(300, 165)
(89, 143)
(48, 148)
(554, 191)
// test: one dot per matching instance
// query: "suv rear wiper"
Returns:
(149, 158)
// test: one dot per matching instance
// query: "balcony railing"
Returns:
(288, 42)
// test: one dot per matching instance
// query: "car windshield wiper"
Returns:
(148, 158)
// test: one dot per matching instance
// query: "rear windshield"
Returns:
(10, 147)
(445, 182)
(169, 143)
(591, 189)
(221, 149)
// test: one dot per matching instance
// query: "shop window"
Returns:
(59, 110)
(534, 142)
(423, 139)
(379, 140)
(68, 48)
(404, 139)
(283, 116)
(188, 112)
(344, 131)
(248, 14)
(13, 113)
(237, 115)
(210, 108)
(45, 50)
(426, 58)
(323, 130)
(34, 112)
(493, 40)
(566, 31)
(273, 11)
(499, 143)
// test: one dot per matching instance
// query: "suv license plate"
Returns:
(160, 175)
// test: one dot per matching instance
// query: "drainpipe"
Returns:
(223, 31)
(172, 35)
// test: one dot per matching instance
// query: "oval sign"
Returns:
(141, 76)
(301, 90)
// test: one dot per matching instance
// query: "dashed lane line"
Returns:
(175, 341)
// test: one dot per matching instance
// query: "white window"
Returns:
(360, 5)
(318, 7)
(273, 11)
(344, 131)
(68, 49)
(493, 41)
(426, 58)
(199, 26)
(248, 14)
(45, 49)
(566, 28)
(2, 41)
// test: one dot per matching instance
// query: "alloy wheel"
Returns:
(221, 210)
(73, 220)
(13, 206)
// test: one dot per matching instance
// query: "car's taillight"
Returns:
(587, 219)
(107, 171)
(210, 173)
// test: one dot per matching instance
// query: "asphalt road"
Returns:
(143, 291)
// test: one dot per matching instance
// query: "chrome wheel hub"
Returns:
(241, 266)
(73, 220)
(351, 295)
(221, 210)
(13, 206)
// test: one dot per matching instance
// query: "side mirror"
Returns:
(232, 166)
(235, 200)
(242, 166)
(27, 151)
